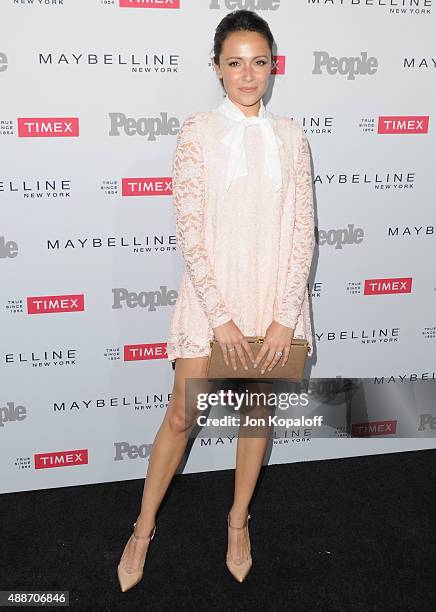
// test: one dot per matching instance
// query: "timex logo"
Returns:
(48, 127)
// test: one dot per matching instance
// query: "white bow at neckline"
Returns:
(234, 139)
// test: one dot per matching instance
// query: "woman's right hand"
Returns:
(230, 336)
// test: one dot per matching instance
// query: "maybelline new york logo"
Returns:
(393, 7)
(428, 62)
(368, 336)
(350, 67)
(37, 188)
(395, 179)
(49, 358)
(144, 245)
(137, 62)
(142, 402)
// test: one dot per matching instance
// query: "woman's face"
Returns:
(245, 67)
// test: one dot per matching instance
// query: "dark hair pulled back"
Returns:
(240, 21)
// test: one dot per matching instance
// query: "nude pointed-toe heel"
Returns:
(240, 570)
(128, 577)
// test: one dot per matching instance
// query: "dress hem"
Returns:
(173, 357)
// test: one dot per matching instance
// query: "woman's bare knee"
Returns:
(182, 410)
(257, 408)
(177, 422)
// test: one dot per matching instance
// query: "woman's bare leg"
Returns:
(252, 444)
(168, 448)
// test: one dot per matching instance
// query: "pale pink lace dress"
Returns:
(248, 250)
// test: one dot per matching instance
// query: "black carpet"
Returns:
(355, 534)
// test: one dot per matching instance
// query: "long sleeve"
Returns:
(188, 195)
(288, 311)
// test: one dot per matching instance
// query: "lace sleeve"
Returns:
(303, 242)
(188, 197)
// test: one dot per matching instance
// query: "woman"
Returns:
(242, 188)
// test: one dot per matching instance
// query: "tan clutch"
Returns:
(294, 368)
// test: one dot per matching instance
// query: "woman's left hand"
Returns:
(277, 338)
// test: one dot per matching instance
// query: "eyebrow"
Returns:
(234, 57)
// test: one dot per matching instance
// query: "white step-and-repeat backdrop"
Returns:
(92, 94)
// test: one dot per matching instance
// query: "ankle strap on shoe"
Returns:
(243, 526)
(149, 537)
